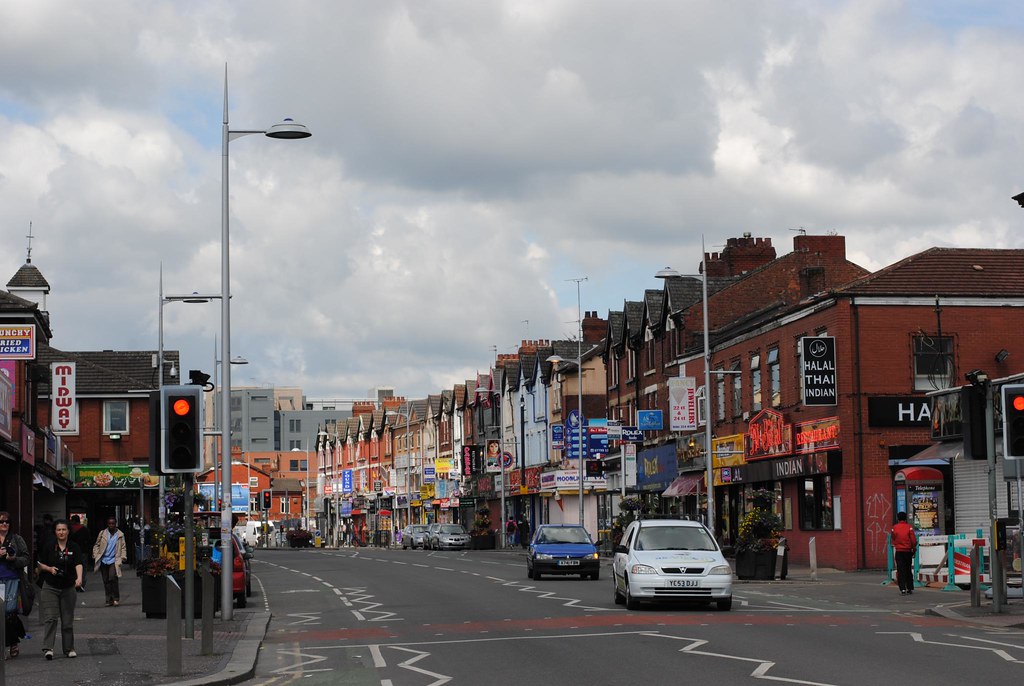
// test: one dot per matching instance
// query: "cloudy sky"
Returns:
(470, 158)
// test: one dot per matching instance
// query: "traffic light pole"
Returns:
(190, 557)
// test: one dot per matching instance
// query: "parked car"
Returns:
(241, 568)
(670, 559)
(414, 536)
(449, 537)
(562, 549)
(247, 555)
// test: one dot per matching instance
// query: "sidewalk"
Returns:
(118, 645)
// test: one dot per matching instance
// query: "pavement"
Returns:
(119, 645)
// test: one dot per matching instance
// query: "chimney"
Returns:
(832, 246)
(740, 255)
(594, 328)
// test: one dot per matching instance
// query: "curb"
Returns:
(242, 664)
(1004, 621)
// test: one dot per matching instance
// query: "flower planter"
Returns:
(154, 596)
(482, 542)
(756, 565)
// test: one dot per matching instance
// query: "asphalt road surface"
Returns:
(419, 618)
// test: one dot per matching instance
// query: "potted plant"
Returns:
(758, 538)
(299, 538)
(154, 572)
(482, 536)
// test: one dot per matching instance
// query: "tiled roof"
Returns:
(977, 272)
(28, 276)
(654, 303)
(511, 378)
(111, 372)
(616, 322)
(528, 368)
(634, 319)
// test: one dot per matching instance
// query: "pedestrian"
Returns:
(344, 533)
(510, 532)
(904, 543)
(524, 532)
(364, 532)
(13, 558)
(41, 534)
(109, 551)
(60, 566)
(83, 539)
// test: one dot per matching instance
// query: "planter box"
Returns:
(751, 565)
(482, 542)
(154, 596)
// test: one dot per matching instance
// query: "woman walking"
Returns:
(13, 558)
(60, 565)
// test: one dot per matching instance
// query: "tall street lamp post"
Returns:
(709, 462)
(287, 129)
(219, 395)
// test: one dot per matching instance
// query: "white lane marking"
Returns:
(419, 655)
(300, 665)
(760, 672)
(306, 618)
(457, 641)
(919, 638)
(985, 640)
(299, 590)
(378, 659)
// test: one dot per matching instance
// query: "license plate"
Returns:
(568, 563)
(684, 583)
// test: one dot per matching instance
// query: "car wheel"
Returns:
(724, 605)
(529, 571)
(240, 600)
(631, 602)
(617, 597)
(596, 576)
(536, 575)
(248, 589)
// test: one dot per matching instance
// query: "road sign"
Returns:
(649, 420)
(631, 434)
(506, 460)
(557, 437)
(574, 423)
(614, 429)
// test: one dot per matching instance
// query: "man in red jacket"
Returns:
(904, 543)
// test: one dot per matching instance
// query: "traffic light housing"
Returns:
(1013, 421)
(593, 469)
(266, 499)
(181, 429)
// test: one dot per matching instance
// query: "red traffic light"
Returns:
(182, 407)
(1018, 403)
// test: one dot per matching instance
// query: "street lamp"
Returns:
(287, 129)
(219, 395)
(666, 273)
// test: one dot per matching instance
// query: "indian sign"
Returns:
(818, 369)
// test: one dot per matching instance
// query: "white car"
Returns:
(670, 559)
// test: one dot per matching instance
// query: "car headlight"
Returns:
(642, 569)
(721, 569)
(542, 556)
(591, 556)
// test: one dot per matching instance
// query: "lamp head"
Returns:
(288, 129)
(195, 298)
(239, 360)
(666, 273)
(977, 377)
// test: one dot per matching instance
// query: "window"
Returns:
(737, 390)
(297, 466)
(613, 367)
(630, 364)
(755, 382)
(816, 502)
(650, 349)
(284, 506)
(295, 426)
(295, 445)
(720, 395)
(933, 362)
(774, 377)
(115, 417)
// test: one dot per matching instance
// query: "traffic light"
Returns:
(266, 499)
(593, 469)
(1013, 421)
(181, 413)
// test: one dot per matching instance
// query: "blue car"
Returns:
(562, 549)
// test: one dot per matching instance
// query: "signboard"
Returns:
(815, 436)
(574, 424)
(18, 342)
(6, 405)
(378, 486)
(506, 460)
(466, 461)
(629, 461)
(428, 474)
(597, 438)
(346, 481)
(682, 403)
(110, 475)
(818, 370)
(614, 429)
(63, 400)
(650, 420)
(557, 437)
(492, 457)
(631, 434)
(727, 451)
(899, 411)
(443, 467)
(768, 435)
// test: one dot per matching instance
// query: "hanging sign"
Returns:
(818, 370)
(682, 400)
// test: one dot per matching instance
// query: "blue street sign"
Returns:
(573, 426)
(346, 481)
(649, 420)
(597, 437)
(557, 437)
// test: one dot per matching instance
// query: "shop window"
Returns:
(816, 503)
(933, 362)
(755, 382)
(737, 390)
(115, 417)
(774, 378)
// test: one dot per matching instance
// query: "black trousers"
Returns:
(905, 570)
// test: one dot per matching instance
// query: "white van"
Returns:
(250, 531)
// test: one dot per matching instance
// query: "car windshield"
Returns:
(563, 535)
(673, 538)
(417, 528)
(452, 529)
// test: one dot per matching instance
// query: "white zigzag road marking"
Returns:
(300, 666)
(419, 655)
(550, 595)
(760, 672)
(918, 638)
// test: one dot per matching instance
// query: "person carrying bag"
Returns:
(13, 558)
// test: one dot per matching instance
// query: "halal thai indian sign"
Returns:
(818, 356)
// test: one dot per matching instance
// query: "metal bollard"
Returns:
(813, 546)
(207, 627)
(173, 627)
(976, 574)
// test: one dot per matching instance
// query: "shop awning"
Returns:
(936, 454)
(385, 513)
(684, 485)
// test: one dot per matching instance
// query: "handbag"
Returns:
(27, 592)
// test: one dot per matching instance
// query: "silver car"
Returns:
(414, 536)
(448, 537)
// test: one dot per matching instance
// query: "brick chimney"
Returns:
(393, 403)
(834, 247)
(360, 409)
(740, 255)
(594, 328)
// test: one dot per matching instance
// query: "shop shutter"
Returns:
(970, 492)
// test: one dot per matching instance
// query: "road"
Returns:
(416, 618)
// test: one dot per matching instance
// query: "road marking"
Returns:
(918, 638)
(300, 666)
(307, 618)
(419, 655)
(760, 672)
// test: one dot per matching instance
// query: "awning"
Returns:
(936, 454)
(385, 513)
(684, 485)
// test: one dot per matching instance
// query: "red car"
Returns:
(241, 572)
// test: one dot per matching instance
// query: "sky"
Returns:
(471, 158)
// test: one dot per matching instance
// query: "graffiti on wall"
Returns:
(877, 517)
